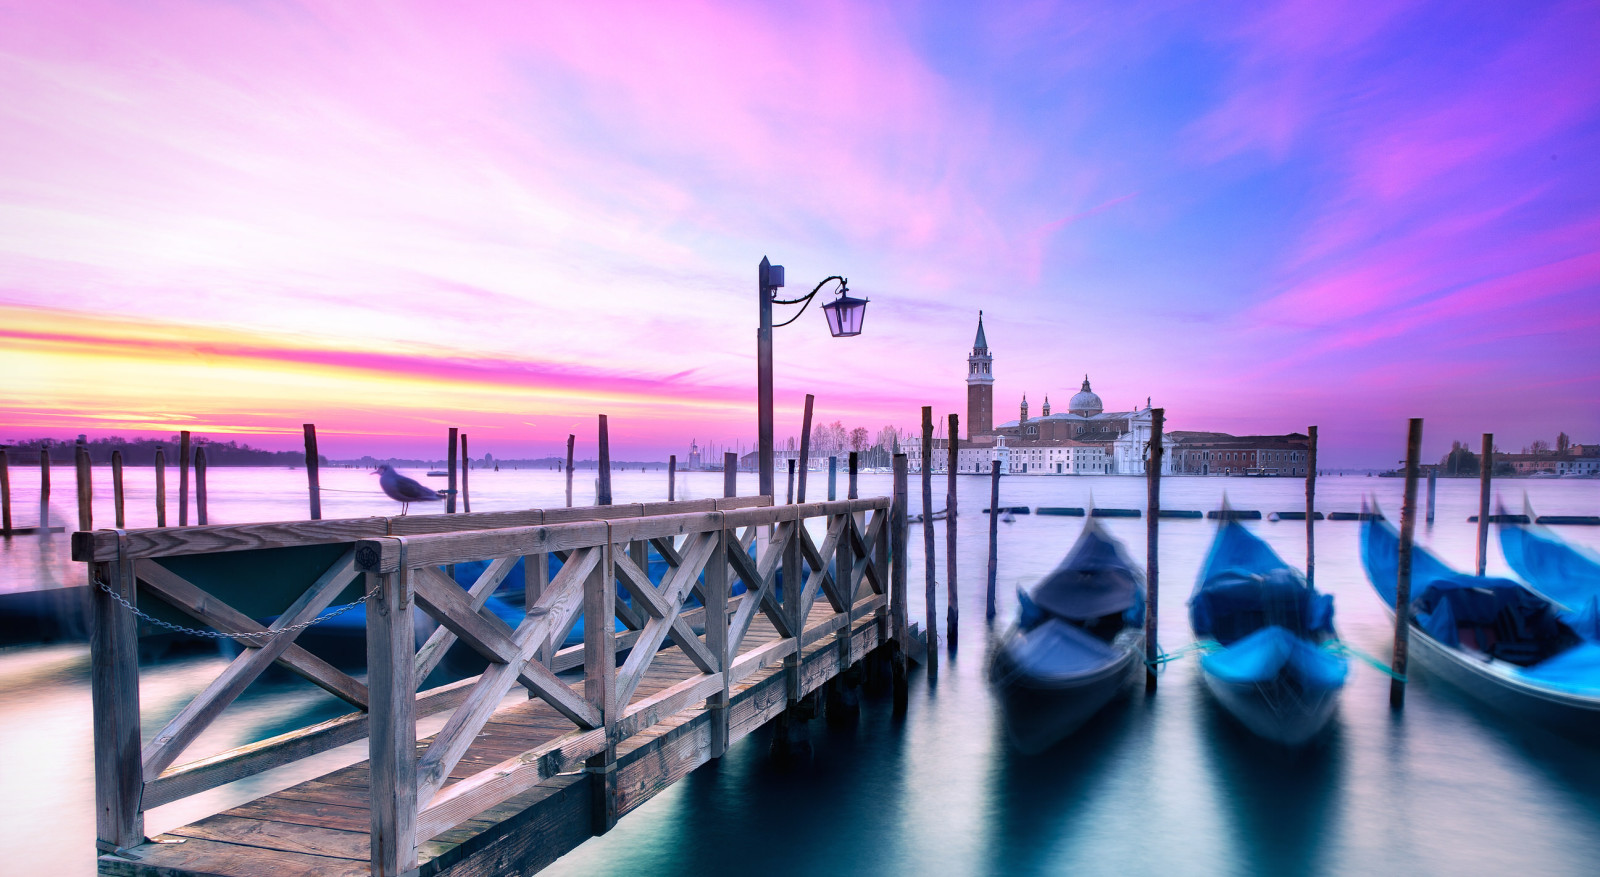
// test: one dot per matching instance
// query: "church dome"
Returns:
(1085, 403)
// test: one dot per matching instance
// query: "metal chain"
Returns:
(258, 635)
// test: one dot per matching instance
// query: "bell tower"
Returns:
(980, 386)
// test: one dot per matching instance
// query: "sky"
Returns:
(389, 218)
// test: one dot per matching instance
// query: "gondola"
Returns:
(1494, 639)
(1272, 671)
(1563, 573)
(1077, 640)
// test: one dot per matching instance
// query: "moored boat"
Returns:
(1271, 669)
(1565, 574)
(1077, 640)
(1497, 641)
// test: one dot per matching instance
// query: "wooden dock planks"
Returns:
(322, 826)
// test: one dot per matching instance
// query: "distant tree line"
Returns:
(142, 452)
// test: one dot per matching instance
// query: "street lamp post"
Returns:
(845, 314)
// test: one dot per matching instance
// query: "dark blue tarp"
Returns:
(1244, 586)
(1057, 649)
(1576, 670)
(1094, 580)
(1263, 655)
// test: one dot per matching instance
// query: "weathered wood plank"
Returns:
(287, 837)
(392, 745)
(436, 549)
(114, 693)
(197, 856)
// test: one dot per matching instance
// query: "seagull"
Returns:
(402, 489)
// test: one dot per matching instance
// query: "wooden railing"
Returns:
(132, 776)
(705, 546)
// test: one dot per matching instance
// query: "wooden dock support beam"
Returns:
(1311, 499)
(716, 622)
(571, 439)
(200, 516)
(85, 485)
(1402, 585)
(1152, 472)
(899, 613)
(117, 494)
(185, 448)
(114, 694)
(313, 481)
(928, 558)
(392, 717)
(994, 538)
(805, 449)
(603, 494)
(600, 685)
(952, 612)
(450, 470)
(1485, 474)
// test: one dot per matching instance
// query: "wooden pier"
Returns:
(507, 785)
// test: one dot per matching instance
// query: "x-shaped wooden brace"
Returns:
(184, 727)
(760, 579)
(697, 551)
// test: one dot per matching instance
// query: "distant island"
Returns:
(142, 452)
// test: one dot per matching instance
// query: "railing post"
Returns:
(717, 638)
(392, 717)
(600, 684)
(897, 585)
(114, 694)
(792, 576)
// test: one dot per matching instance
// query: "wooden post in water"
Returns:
(466, 467)
(313, 482)
(85, 487)
(994, 537)
(200, 485)
(899, 616)
(161, 486)
(672, 478)
(730, 474)
(116, 489)
(1152, 472)
(805, 449)
(570, 440)
(789, 497)
(1433, 484)
(44, 490)
(854, 470)
(184, 450)
(1402, 584)
(1311, 501)
(1485, 473)
(952, 612)
(450, 470)
(833, 477)
(5, 495)
(604, 497)
(927, 540)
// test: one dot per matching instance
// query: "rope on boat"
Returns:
(1334, 646)
(1344, 649)
(1165, 657)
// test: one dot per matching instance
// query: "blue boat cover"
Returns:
(1262, 655)
(1576, 670)
(1057, 649)
(1565, 573)
(1094, 580)
(1244, 587)
(1585, 620)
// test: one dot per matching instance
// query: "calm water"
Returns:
(1163, 785)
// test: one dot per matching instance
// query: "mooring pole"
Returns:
(313, 483)
(116, 488)
(994, 538)
(1485, 473)
(833, 478)
(605, 463)
(44, 491)
(450, 470)
(730, 474)
(466, 468)
(200, 485)
(1152, 471)
(851, 487)
(570, 440)
(1311, 502)
(789, 495)
(161, 486)
(183, 477)
(805, 449)
(1402, 584)
(5, 495)
(85, 487)
(672, 478)
(1433, 484)
(928, 558)
(899, 613)
(952, 611)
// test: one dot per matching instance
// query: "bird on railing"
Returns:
(404, 490)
